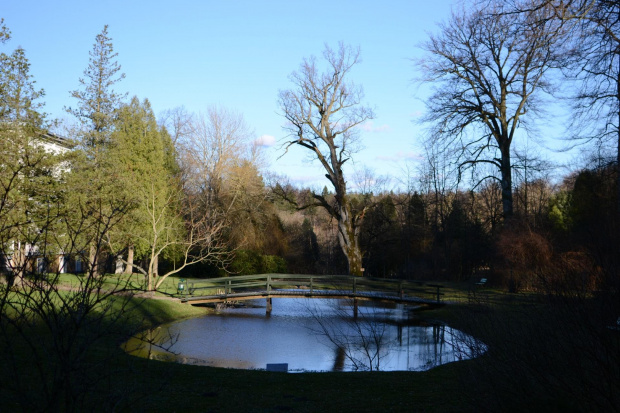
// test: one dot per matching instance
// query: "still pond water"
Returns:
(310, 335)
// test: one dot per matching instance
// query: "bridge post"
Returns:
(268, 306)
(354, 307)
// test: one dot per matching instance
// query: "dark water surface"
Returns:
(314, 335)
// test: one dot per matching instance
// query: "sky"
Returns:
(238, 55)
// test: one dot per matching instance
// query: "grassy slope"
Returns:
(134, 384)
(545, 354)
(160, 386)
(193, 388)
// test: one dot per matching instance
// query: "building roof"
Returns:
(57, 140)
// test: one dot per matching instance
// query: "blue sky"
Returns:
(238, 54)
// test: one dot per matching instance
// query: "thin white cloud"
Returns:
(370, 127)
(305, 179)
(265, 140)
(400, 156)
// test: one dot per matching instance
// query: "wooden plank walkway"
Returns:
(240, 288)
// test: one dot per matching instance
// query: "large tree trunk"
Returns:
(348, 236)
(506, 171)
(129, 267)
(152, 273)
(19, 265)
(93, 260)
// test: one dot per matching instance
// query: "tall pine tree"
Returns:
(97, 187)
(28, 184)
(97, 100)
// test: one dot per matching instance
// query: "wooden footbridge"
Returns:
(268, 286)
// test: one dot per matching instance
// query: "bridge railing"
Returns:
(266, 282)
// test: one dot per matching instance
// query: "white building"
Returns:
(55, 145)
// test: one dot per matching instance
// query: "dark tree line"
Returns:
(459, 235)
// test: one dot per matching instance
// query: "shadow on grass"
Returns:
(554, 352)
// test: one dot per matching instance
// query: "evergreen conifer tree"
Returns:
(28, 192)
(144, 159)
(97, 100)
(97, 185)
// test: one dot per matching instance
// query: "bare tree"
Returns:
(55, 332)
(591, 57)
(594, 61)
(490, 69)
(219, 141)
(51, 328)
(532, 187)
(220, 174)
(323, 111)
(179, 122)
(438, 181)
(180, 223)
(489, 206)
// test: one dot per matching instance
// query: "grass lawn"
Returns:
(175, 387)
(523, 358)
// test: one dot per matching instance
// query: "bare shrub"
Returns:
(525, 254)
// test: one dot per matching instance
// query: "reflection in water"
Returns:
(152, 344)
(339, 359)
(314, 335)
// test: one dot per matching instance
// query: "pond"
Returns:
(309, 335)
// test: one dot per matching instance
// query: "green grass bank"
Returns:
(536, 348)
